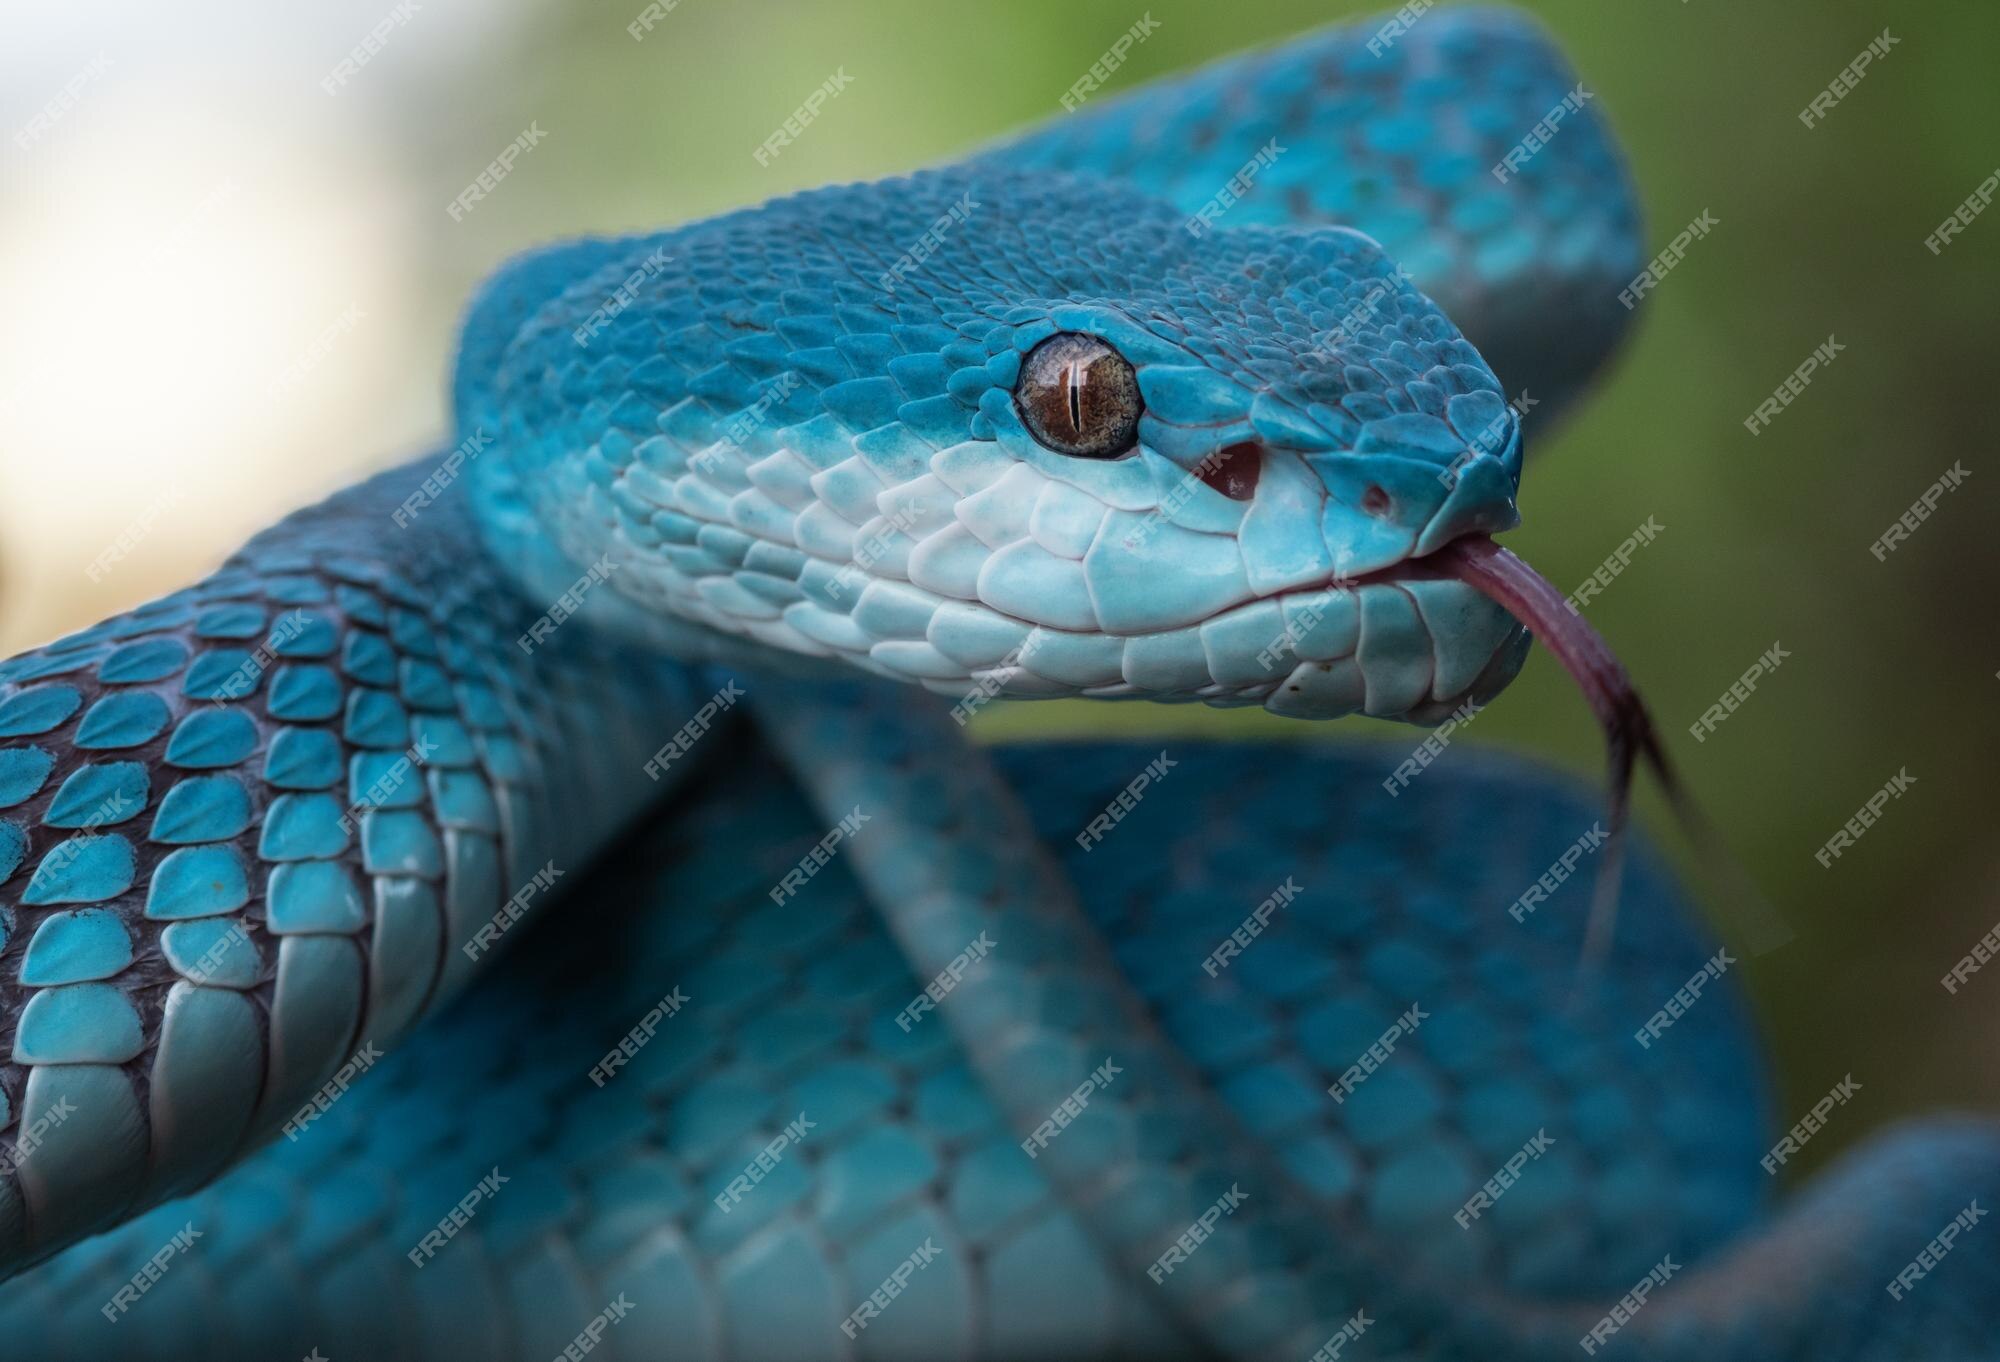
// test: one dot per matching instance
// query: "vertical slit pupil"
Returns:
(1078, 396)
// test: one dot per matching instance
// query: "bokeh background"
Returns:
(225, 290)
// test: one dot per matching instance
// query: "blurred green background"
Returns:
(232, 288)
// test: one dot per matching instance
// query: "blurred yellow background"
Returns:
(230, 284)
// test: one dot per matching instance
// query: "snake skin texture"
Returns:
(1409, 141)
(250, 829)
(791, 1008)
(527, 907)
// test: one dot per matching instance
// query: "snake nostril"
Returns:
(1232, 471)
(1375, 501)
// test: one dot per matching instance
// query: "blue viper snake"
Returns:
(542, 902)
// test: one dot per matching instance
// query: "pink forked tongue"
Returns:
(1628, 728)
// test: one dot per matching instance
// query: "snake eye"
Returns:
(1079, 396)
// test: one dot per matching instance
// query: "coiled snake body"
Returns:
(526, 906)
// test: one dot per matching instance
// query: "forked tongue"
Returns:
(1628, 728)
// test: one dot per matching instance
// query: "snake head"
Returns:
(1028, 435)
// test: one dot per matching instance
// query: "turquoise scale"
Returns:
(210, 952)
(37, 709)
(211, 738)
(99, 795)
(23, 772)
(200, 881)
(303, 759)
(123, 719)
(202, 809)
(148, 660)
(304, 693)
